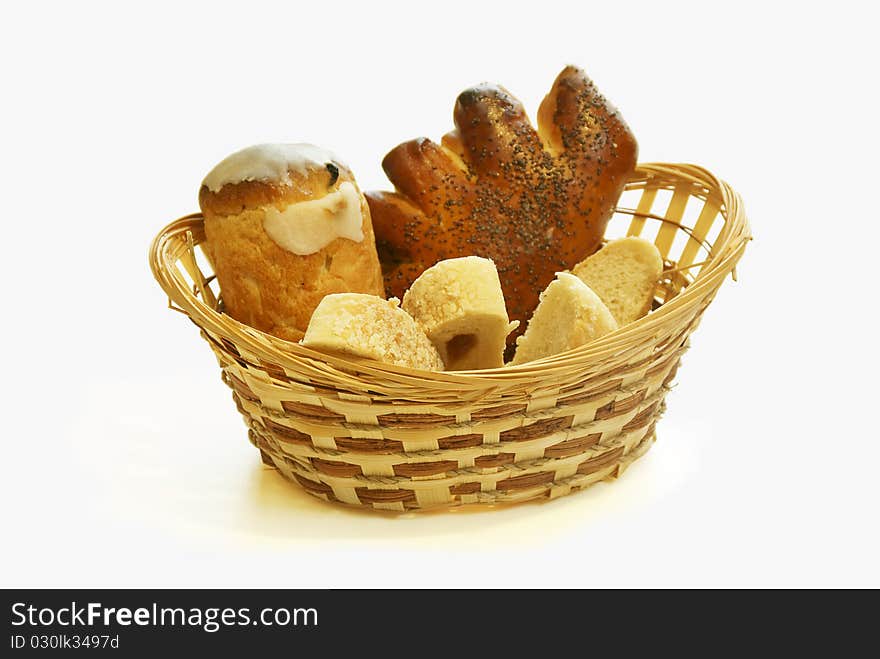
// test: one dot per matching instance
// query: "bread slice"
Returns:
(368, 326)
(569, 315)
(624, 274)
(459, 304)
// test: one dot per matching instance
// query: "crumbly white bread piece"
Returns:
(459, 304)
(368, 326)
(569, 315)
(624, 275)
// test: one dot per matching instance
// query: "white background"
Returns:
(124, 462)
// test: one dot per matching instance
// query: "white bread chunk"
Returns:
(368, 326)
(569, 315)
(459, 304)
(624, 274)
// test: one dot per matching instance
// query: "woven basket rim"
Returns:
(167, 248)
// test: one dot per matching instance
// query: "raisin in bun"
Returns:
(534, 201)
(286, 225)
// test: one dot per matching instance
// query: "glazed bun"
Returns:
(286, 224)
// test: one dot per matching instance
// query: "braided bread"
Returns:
(534, 201)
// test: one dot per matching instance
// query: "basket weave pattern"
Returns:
(368, 434)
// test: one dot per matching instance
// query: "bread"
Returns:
(368, 326)
(459, 304)
(569, 315)
(286, 224)
(624, 274)
(534, 201)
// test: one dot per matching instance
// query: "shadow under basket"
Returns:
(384, 437)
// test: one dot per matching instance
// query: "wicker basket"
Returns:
(375, 435)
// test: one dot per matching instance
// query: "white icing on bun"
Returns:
(267, 162)
(305, 227)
